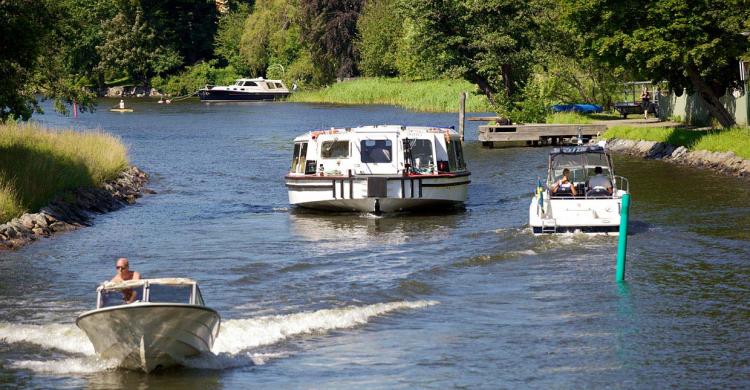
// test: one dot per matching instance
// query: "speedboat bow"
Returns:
(150, 323)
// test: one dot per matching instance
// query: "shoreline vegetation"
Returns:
(38, 164)
(428, 96)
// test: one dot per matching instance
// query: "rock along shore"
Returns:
(724, 162)
(74, 209)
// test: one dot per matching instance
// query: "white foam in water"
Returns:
(84, 365)
(243, 334)
(230, 348)
(63, 337)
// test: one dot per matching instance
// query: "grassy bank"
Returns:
(36, 164)
(433, 95)
(736, 140)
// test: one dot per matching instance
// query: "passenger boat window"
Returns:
(271, 86)
(299, 157)
(334, 149)
(279, 85)
(376, 151)
(455, 156)
(169, 293)
(421, 155)
(199, 297)
(120, 297)
(250, 84)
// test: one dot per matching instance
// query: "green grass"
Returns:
(432, 96)
(36, 164)
(736, 140)
(568, 118)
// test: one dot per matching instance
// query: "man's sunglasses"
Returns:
(123, 267)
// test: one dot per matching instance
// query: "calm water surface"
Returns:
(466, 299)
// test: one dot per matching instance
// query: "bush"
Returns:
(195, 77)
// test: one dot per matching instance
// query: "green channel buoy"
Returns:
(622, 243)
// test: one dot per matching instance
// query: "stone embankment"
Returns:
(725, 162)
(74, 209)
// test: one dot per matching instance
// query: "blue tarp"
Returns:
(580, 108)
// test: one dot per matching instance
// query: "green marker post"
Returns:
(622, 244)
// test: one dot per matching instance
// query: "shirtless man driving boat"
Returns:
(123, 274)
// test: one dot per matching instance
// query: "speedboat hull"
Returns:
(395, 193)
(214, 95)
(147, 336)
(573, 215)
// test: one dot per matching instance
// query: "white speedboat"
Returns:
(244, 90)
(150, 323)
(378, 169)
(593, 209)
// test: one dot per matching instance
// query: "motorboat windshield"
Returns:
(165, 290)
(580, 160)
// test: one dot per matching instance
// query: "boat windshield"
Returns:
(116, 297)
(581, 166)
(376, 151)
(170, 293)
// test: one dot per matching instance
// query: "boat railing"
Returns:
(621, 183)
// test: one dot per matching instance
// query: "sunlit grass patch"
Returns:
(432, 95)
(37, 163)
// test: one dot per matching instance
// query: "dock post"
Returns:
(461, 114)
(622, 243)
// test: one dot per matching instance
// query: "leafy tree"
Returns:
(693, 45)
(184, 26)
(380, 29)
(130, 45)
(329, 30)
(271, 35)
(228, 38)
(487, 42)
(33, 59)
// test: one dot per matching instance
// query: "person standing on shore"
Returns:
(645, 102)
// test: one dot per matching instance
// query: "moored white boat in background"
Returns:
(378, 169)
(166, 323)
(593, 209)
(244, 90)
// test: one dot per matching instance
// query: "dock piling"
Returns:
(622, 243)
(461, 114)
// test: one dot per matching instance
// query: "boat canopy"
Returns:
(582, 149)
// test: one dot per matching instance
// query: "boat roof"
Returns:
(257, 79)
(378, 129)
(581, 149)
(141, 282)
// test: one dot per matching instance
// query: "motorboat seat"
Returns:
(598, 192)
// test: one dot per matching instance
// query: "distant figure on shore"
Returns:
(294, 87)
(122, 104)
(122, 274)
(645, 101)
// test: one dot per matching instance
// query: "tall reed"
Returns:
(36, 164)
(431, 95)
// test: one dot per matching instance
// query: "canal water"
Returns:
(467, 299)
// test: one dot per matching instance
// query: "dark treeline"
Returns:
(522, 54)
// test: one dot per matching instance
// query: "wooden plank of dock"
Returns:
(535, 134)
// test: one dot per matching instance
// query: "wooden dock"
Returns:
(537, 134)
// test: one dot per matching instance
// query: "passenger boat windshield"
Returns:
(172, 290)
(581, 161)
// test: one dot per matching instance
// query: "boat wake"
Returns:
(233, 347)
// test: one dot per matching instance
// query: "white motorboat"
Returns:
(378, 169)
(594, 208)
(165, 322)
(244, 90)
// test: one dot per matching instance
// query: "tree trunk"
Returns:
(484, 86)
(713, 104)
(506, 79)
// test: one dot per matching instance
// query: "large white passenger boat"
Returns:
(588, 199)
(150, 323)
(244, 90)
(378, 169)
